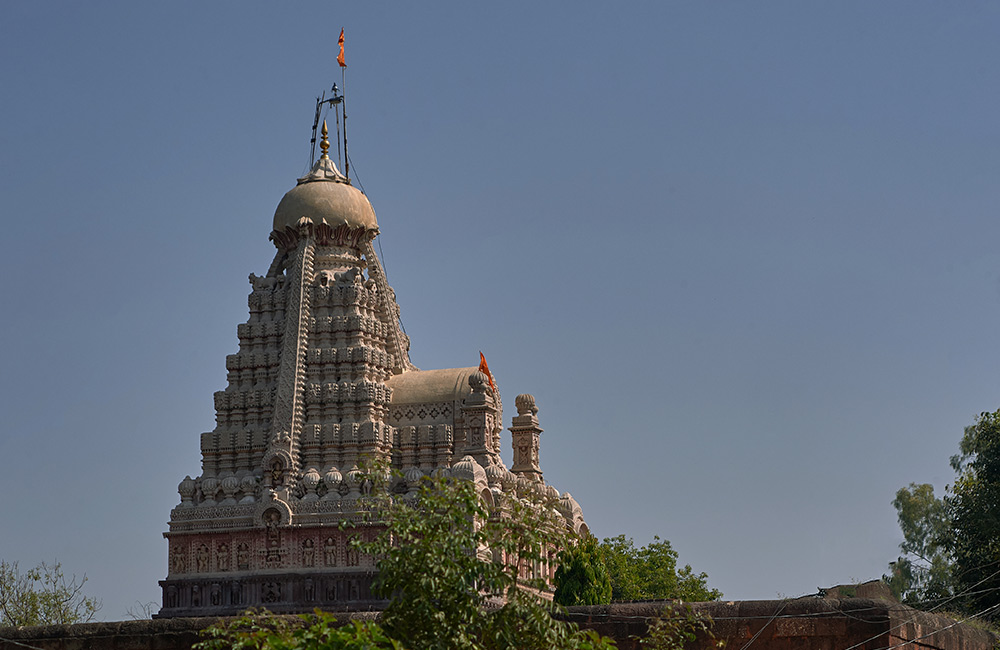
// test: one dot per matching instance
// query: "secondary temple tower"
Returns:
(323, 381)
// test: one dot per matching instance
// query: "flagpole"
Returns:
(343, 108)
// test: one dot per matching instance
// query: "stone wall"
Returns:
(814, 623)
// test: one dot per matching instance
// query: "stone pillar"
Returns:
(481, 421)
(525, 434)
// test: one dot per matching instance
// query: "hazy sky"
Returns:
(743, 254)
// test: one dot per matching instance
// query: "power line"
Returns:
(947, 627)
(764, 626)
(23, 645)
(913, 618)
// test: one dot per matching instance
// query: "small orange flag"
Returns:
(340, 57)
(485, 369)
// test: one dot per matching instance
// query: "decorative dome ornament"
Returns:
(468, 469)
(324, 196)
(249, 487)
(332, 479)
(495, 475)
(412, 477)
(525, 404)
(354, 479)
(310, 481)
(209, 488)
(325, 144)
(478, 382)
(186, 489)
(230, 486)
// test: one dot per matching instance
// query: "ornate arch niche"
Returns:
(277, 467)
(273, 519)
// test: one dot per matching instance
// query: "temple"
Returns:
(322, 384)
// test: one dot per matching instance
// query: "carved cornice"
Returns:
(323, 233)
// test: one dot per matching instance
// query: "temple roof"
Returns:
(424, 386)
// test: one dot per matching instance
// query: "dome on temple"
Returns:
(325, 196)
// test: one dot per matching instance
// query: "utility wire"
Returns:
(764, 626)
(947, 627)
(913, 618)
(23, 645)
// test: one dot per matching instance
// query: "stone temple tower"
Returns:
(321, 383)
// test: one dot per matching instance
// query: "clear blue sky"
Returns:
(743, 254)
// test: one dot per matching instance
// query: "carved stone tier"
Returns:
(280, 593)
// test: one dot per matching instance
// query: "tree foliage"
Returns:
(678, 628)
(317, 631)
(651, 572)
(43, 596)
(582, 578)
(973, 536)
(458, 576)
(448, 562)
(923, 572)
(951, 545)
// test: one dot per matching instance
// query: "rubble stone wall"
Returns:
(814, 623)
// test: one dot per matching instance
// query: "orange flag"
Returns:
(340, 57)
(485, 369)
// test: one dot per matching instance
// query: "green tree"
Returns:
(679, 627)
(43, 596)
(973, 507)
(651, 572)
(951, 545)
(458, 575)
(318, 631)
(582, 578)
(923, 573)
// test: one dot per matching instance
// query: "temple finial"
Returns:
(324, 145)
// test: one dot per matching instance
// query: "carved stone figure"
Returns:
(277, 473)
(242, 557)
(178, 562)
(308, 553)
(330, 552)
(202, 559)
(271, 592)
(222, 558)
(272, 519)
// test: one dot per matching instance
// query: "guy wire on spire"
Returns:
(343, 105)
